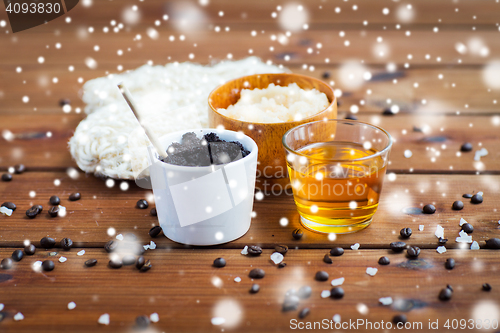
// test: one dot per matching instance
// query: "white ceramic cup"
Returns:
(206, 205)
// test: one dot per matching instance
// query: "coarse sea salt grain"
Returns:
(19, 316)
(146, 247)
(421, 227)
(152, 245)
(4, 210)
(277, 257)
(245, 250)
(237, 279)
(371, 271)
(385, 300)
(1, 306)
(81, 253)
(463, 237)
(119, 237)
(355, 246)
(154, 317)
(338, 282)
(439, 231)
(103, 319)
(63, 259)
(474, 246)
(325, 294)
(336, 318)
(71, 305)
(441, 249)
(462, 222)
(218, 321)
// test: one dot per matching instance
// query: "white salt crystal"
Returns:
(104, 319)
(81, 253)
(338, 282)
(4, 210)
(336, 318)
(480, 153)
(463, 237)
(152, 245)
(385, 300)
(441, 249)
(62, 211)
(119, 237)
(245, 250)
(71, 305)
(371, 271)
(63, 259)
(277, 257)
(146, 247)
(480, 193)
(325, 294)
(439, 231)
(37, 266)
(355, 246)
(1, 306)
(154, 317)
(19, 316)
(218, 321)
(421, 227)
(462, 222)
(237, 279)
(474, 246)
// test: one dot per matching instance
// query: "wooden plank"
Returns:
(183, 285)
(33, 148)
(88, 220)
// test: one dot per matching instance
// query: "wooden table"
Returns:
(438, 84)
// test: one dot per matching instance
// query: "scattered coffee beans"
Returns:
(6, 177)
(405, 232)
(91, 262)
(64, 101)
(337, 292)
(19, 168)
(351, 117)
(32, 212)
(297, 234)
(450, 263)
(110, 246)
(54, 200)
(9, 205)
(291, 303)
(413, 252)
(147, 266)
(75, 196)
(467, 196)
(466, 147)
(388, 112)
(321, 276)
(254, 250)
(155, 231)
(304, 292)
(457, 205)
(153, 212)
(445, 294)
(303, 313)
(442, 241)
(220, 262)
(257, 273)
(282, 264)
(384, 261)
(66, 244)
(115, 263)
(142, 204)
(142, 322)
(468, 228)
(283, 249)
(337, 251)
(486, 287)
(54, 211)
(400, 318)
(327, 259)
(493, 243)
(17, 255)
(476, 199)
(39, 207)
(47, 243)
(429, 209)
(30, 249)
(6, 263)
(48, 265)
(326, 75)
(254, 289)
(398, 246)
(140, 262)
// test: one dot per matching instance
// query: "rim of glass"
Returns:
(386, 148)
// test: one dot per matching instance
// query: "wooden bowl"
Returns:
(272, 165)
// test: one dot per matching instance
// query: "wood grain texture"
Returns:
(187, 291)
(88, 220)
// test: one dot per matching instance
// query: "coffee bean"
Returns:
(321, 276)
(128, 260)
(337, 292)
(9, 205)
(48, 265)
(384, 261)
(327, 259)
(54, 211)
(6, 177)
(476, 199)
(291, 303)
(254, 250)
(450, 263)
(115, 263)
(467, 196)
(6, 263)
(405, 232)
(155, 231)
(147, 266)
(30, 249)
(486, 287)
(400, 318)
(140, 262)
(64, 101)
(457, 205)
(110, 246)
(283, 249)
(257, 273)
(220, 262)
(468, 228)
(75, 196)
(39, 208)
(66, 244)
(19, 168)
(326, 75)
(17, 255)
(297, 234)
(449, 287)
(142, 322)
(442, 241)
(388, 112)
(304, 292)
(254, 289)
(429, 209)
(398, 246)
(303, 313)
(337, 251)
(351, 117)
(445, 294)
(47, 243)
(493, 243)
(32, 212)
(466, 147)
(282, 264)
(142, 204)
(91, 262)
(54, 200)
(413, 252)
(153, 212)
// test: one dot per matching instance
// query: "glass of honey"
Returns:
(336, 169)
